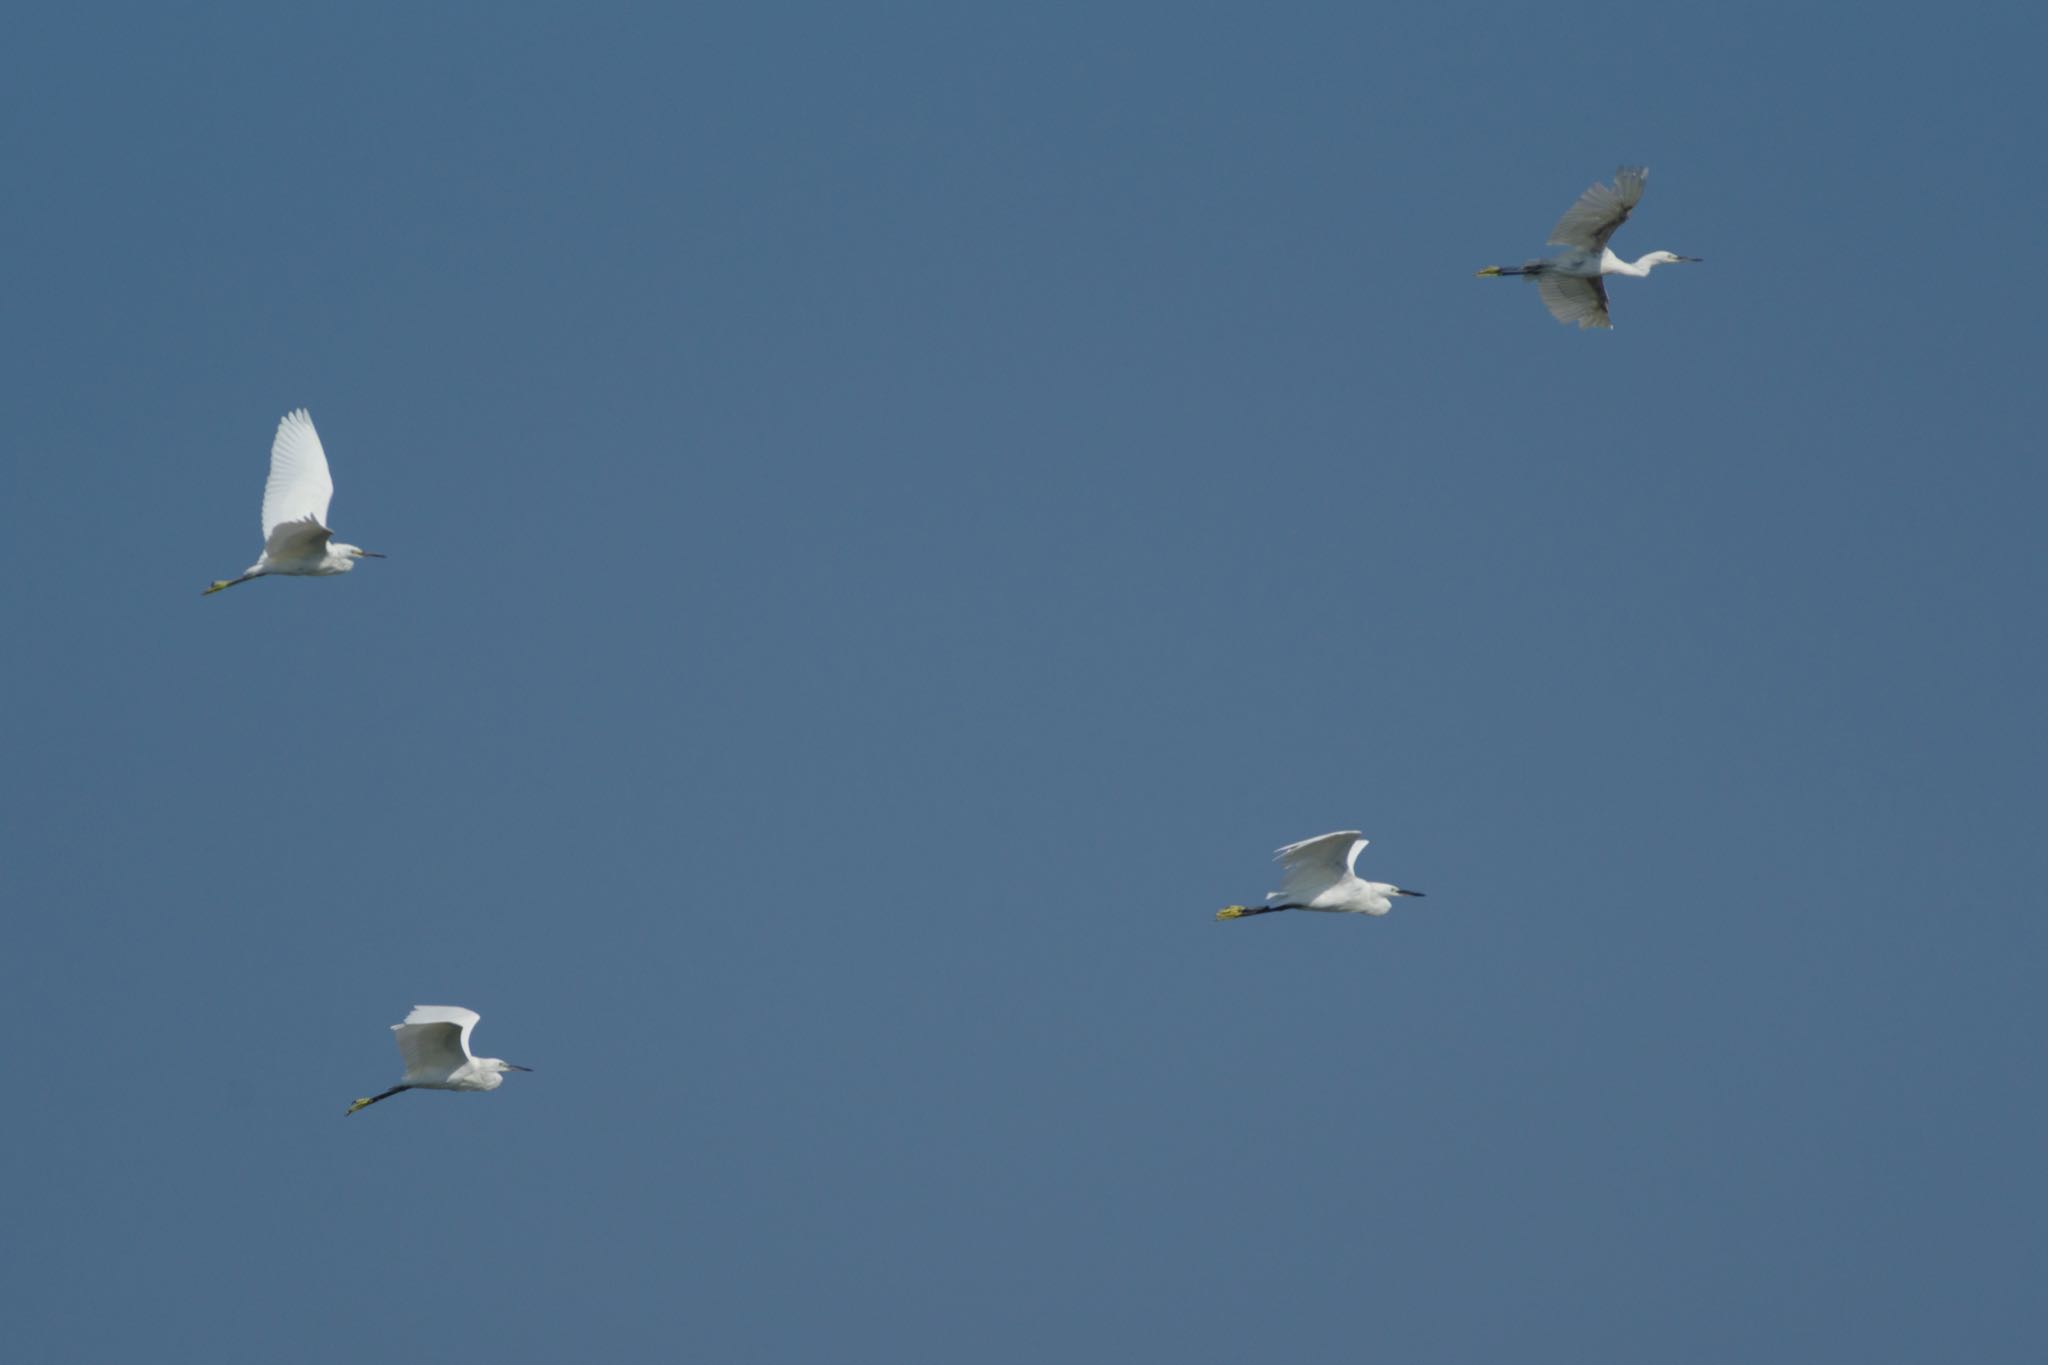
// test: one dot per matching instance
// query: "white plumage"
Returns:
(1570, 283)
(295, 535)
(1317, 874)
(1594, 216)
(434, 1041)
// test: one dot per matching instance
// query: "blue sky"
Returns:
(893, 512)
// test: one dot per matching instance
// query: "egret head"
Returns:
(1671, 258)
(357, 552)
(499, 1064)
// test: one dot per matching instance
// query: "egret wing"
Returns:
(289, 540)
(434, 1039)
(300, 486)
(1314, 865)
(1571, 299)
(1600, 210)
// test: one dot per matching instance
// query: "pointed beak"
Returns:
(1404, 891)
(510, 1067)
(1694, 259)
(369, 554)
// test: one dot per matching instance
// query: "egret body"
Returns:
(434, 1041)
(1316, 874)
(1571, 282)
(295, 535)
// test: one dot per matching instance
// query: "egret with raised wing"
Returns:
(295, 535)
(434, 1040)
(1316, 874)
(1571, 282)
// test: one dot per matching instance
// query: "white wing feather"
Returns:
(1312, 866)
(1600, 210)
(300, 486)
(1571, 299)
(296, 540)
(434, 1039)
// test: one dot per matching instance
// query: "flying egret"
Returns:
(1570, 281)
(295, 535)
(434, 1040)
(1316, 874)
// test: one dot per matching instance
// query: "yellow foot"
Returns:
(357, 1105)
(1231, 911)
(1490, 270)
(218, 585)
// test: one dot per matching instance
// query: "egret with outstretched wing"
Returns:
(1571, 282)
(1316, 874)
(434, 1041)
(295, 535)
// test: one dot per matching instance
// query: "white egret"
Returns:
(295, 535)
(1316, 874)
(1570, 282)
(434, 1040)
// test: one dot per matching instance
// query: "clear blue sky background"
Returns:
(893, 512)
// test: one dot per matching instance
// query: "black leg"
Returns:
(1243, 911)
(367, 1102)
